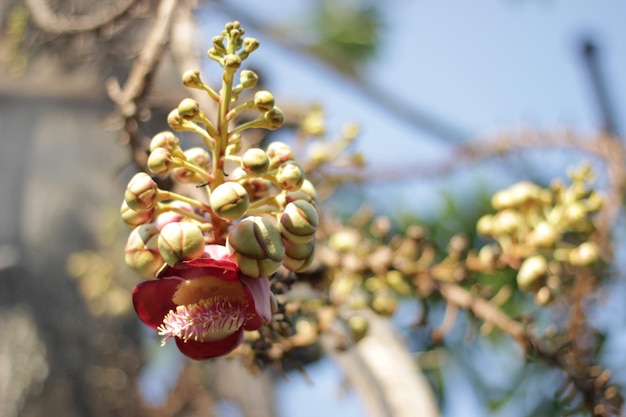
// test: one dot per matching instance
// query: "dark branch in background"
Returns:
(407, 113)
(55, 23)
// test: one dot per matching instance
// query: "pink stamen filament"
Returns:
(207, 320)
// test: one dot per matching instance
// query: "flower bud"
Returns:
(197, 156)
(230, 200)
(188, 108)
(585, 254)
(484, 226)
(231, 63)
(544, 235)
(175, 120)
(250, 44)
(135, 218)
(384, 304)
(142, 253)
(264, 101)
(256, 246)
(191, 78)
(255, 162)
(172, 216)
(290, 176)
(279, 152)
(298, 256)
(507, 222)
(298, 222)
(141, 192)
(160, 161)
(533, 273)
(275, 118)
(248, 79)
(180, 241)
(358, 326)
(257, 188)
(165, 139)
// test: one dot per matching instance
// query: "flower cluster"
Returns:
(212, 257)
(543, 232)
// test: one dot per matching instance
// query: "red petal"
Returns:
(259, 289)
(153, 300)
(206, 350)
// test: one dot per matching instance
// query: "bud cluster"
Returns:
(262, 209)
(542, 232)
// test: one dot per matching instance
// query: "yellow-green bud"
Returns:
(256, 246)
(218, 44)
(585, 254)
(197, 156)
(231, 63)
(160, 161)
(264, 101)
(279, 152)
(544, 235)
(358, 326)
(299, 222)
(180, 241)
(298, 256)
(165, 139)
(533, 273)
(345, 240)
(255, 162)
(274, 118)
(384, 304)
(248, 79)
(191, 78)
(397, 282)
(507, 222)
(250, 44)
(575, 212)
(544, 296)
(142, 253)
(290, 176)
(188, 108)
(484, 226)
(175, 120)
(135, 218)
(141, 192)
(230, 200)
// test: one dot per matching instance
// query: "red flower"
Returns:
(205, 304)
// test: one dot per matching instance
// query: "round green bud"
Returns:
(533, 273)
(298, 256)
(256, 246)
(279, 152)
(255, 162)
(188, 108)
(160, 161)
(229, 200)
(180, 241)
(191, 78)
(248, 79)
(141, 192)
(264, 101)
(384, 304)
(274, 118)
(134, 218)
(142, 253)
(575, 212)
(544, 235)
(290, 176)
(484, 226)
(165, 139)
(585, 254)
(358, 326)
(250, 44)
(507, 222)
(231, 62)
(298, 222)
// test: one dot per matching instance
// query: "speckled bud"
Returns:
(298, 257)
(290, 176)
(248, 79)
(180, 241)
(141, 192)
(256, 246)
(160, 161)
(165, 139)
(533, 273)
(274, 118)
(188, 108)
(255, 162)
(142, 254)
(264, 101)
(230, 200)
(299, 222)
(279, 152)
(191, 78)
(135, 218)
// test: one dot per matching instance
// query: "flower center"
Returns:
(209, 319)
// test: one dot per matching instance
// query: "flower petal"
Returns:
(153, 300)
(259, 289)
(206, 350)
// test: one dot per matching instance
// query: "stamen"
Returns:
(209, 319)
